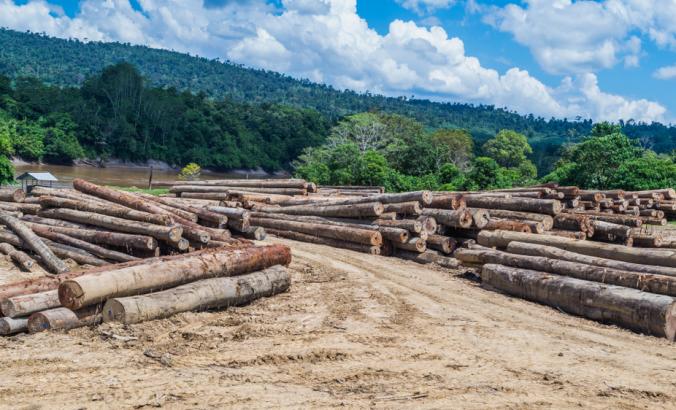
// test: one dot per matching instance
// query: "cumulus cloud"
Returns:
(327, 41)
(576, 37)
(665, 73)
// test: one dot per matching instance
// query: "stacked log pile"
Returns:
(117, 239)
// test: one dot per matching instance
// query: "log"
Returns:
(180, 189)
(97, 250)
(428, 257)
(119, 197)
(109, 209)
(215, 196)
(630, 308)
(457, 219)
(334, 243)
(370, 209)
(20, 207)
(524, 248)
(80, 256)
(251, 183)
(404, 208)
(178, 213)
(659, 284)
(424, 197)
(362, 236)
(410, 225)
(648, 240)
(12, 194)
(546, 220)
(628, 220)
(441, 243)
(94, 288)
(202, 213)
(542, 206)
(480, 217)
(610, 230)
(579, 235)
(200, 295)
(52, 222)
(64, 319)
(413, 245)
(127, 241)
(429, 224)
(660, 257)
(256, 233)
(24, 305)
(238, 214)
(446, 201)
(9, 326)
(572, 222)
(34, 243)
(22, 260)
(507, 225)
(165, 233)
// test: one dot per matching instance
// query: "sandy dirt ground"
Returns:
(354, 331)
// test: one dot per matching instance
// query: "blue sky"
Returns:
(603, 59)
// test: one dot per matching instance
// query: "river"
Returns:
(117, 176)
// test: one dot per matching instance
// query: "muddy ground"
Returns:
(356, 331)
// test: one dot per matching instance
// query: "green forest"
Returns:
(62, 100)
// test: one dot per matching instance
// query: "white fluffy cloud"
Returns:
(665, 73)
(585, 35)
(327, 41)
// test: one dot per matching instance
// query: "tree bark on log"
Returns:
(12, 195)
(80, 256)
(530, 249)
(546, 220)
(427, 257)
(64, 319)
(362, 236)
(365, 210)
(110, 210)
(404, 208)
(165, 233)
(34, 243)
(256, 233)
(543, 206)
(52, 222)
(30, 209)
(203, 214)
(24, 305)
(507, 225)
(443, 244)
(413, 245)
(97, 250)
(630, 308)
(610, 230)
(458, 219)
(24, 261)
(334, 243)
(628, 220)
(123, 240)
(9, 326)
(446, 201)
(94, 288)
(200, 295)
(179, 190)
(659, 284)
(660, 257)
(410, 225)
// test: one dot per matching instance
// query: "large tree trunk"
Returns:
(34, 243)
(12, 194)
(404, 208)
(203, 214)
(24, 261)
(31, 209)
(635, 255)
(413, 245)
(9, 326)
(90, 289)
(165, 233)
(334, 243)
(200, 295)
(123, 240)
(556, 253)
(441, 243)
(410, 225)
(542, 206)
(64, 319)
(630, 308)
(480, 217)
(97, 250)
(664, 285)
(24, 305)
(52, 222)
(460, 218)
(507, 225)
(80, 256)
(362, 236)
(109, 209)
(446, 201)
(372, 209)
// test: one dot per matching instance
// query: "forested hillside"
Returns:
(69, 62)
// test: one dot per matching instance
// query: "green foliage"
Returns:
(190, 171)
(647, 172)
(453, 146)
(6, 170)
(509, 148)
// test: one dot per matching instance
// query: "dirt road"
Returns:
(355, 331)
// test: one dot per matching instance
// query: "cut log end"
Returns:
(70, 294)
(113, 311)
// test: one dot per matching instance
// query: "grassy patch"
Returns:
(154, 191)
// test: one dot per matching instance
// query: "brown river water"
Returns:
(118, 176)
